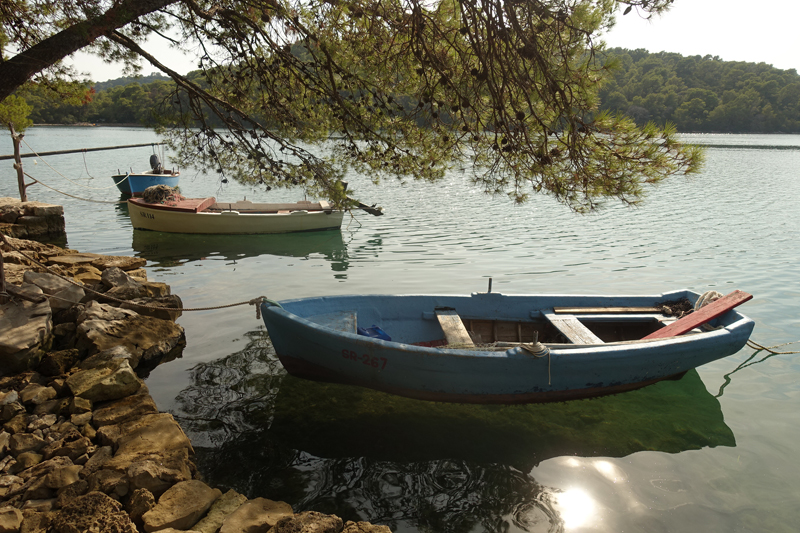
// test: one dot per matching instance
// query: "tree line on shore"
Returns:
(697, 94)
(703, 94)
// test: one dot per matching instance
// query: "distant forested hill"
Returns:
(141, 80)
(119, 101)
(698, 94)
(703, 94)
(122, 104)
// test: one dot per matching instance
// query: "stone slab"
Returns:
(181, 506)
(256, 516)
(27, 333)
(111, 380)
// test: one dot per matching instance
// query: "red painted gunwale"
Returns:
(187, 205)
(702, 315)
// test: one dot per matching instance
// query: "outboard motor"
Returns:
(155, 164)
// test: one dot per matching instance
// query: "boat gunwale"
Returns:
(148, 173)
(623, 348)
(139, 203)
(123, 181)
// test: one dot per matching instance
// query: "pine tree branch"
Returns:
(27, 63)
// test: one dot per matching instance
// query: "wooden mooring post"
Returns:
(17, 139)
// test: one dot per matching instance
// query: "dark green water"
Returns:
(677, 456)
(420, 465)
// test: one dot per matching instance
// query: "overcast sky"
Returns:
(735, 30)
(756, 31)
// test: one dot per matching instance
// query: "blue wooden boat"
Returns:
(134, 184)
(495, 348)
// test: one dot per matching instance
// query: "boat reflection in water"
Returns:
(121, 209)
(171, 249)
(416, 465)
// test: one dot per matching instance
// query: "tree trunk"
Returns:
(17, 138)
(23, 66)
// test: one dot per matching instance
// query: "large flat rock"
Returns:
(258, 516)
(181, 506)
(32, 207)
(122, 410)
(148, 434)
(222, 508)
(104, 327)
(151, 450)
(27, 333)
(74, 259)
(40, 209)
(111, 380)
(35, 248)
(101, 262)
(156, 472)
(63, 293)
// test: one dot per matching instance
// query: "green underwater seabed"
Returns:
(243, 405)
(338, 421)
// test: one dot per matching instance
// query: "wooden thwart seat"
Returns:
(573, 329)
(605, 310)
(453, 327)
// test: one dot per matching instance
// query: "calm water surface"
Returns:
(715, 451)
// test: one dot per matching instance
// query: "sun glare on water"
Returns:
(575, 507)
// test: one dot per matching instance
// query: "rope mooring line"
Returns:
(538, 350)
(86, 168)
(255, 301)
(771, 349)
(263, 299)
(66, 178)
(72, 195)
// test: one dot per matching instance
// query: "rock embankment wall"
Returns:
(83, 446)
(31, 220)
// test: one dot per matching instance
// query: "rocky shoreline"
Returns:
(83, 446)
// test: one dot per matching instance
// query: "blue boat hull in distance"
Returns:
(482, 348)
(135, 184)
